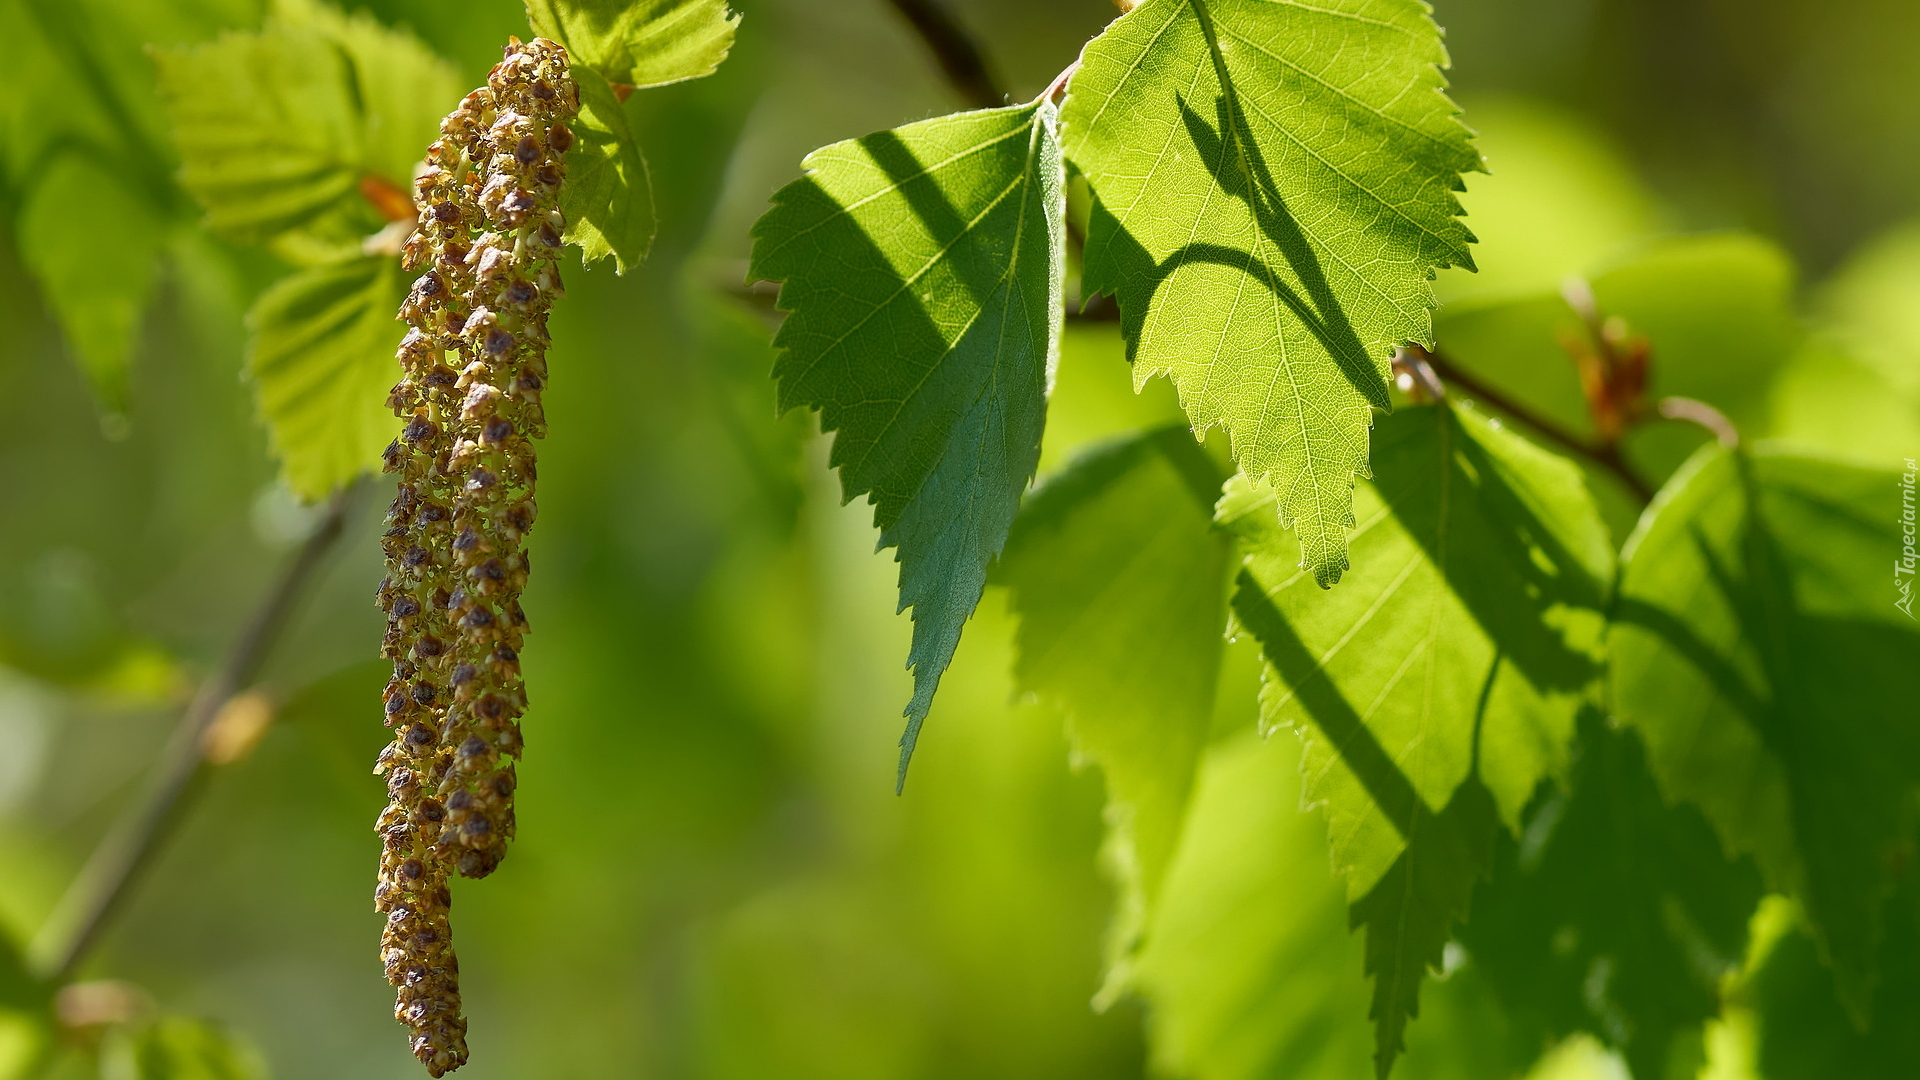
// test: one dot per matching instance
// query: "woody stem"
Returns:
(103, 884)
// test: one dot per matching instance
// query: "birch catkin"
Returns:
(473, 366)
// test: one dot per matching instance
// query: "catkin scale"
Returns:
(473, 367)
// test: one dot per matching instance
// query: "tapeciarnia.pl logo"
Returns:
(1903, 567)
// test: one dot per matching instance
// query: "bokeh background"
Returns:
(713, 876)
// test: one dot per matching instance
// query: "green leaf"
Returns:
(639, 42)
(1856, 391)
(1805, 1034)
(279, 130)
(1245, 968)
(1119, 579)
(1758, 650)
(19, 988)
(179, 1048)
(1273, 189)
(922, 268)
(1439, 685)
(607, 199)
(321, 358)
(1410, 915)
(92, 245)
(1615, 912)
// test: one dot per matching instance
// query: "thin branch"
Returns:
(1703, 414)
(103, 884)
(960, 56)
(1607, 457)
(1415, 376)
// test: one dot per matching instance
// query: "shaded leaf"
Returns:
(178, 1048)
(1273, 189)
(1244, 956)
(19, 989)
(1439, 685)
(1855, 391)
(1805, 1033)
(608, 199)
(1119, 579)
(1613, 912)
(639, 42)
(1245, 968)
(1758, 650)
(922, 267)
(321, 358)
(1410, 915)
(92, 244)
(283, 133)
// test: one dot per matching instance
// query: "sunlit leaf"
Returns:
(639, 42)
(306, 132)
(1438, 686)
(1758, 649)
(1119, 579)
(608, 199)
(321, 358)
(1273, 189)
(922, 268)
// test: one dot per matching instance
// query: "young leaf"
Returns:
(639, 42)
(922, 268)
(1758, 650)
(1439, 686)
(1273, 187)
(608, 201)
(1615, 913)
(321, 358)
(307, 131)
(1119, 579)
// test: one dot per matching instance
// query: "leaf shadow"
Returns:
(1411, 910)
(1517, 572)
(1299, 280)
(1846, 758)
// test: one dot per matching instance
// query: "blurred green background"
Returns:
(713, 877)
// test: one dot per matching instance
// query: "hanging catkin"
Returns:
(473, 363)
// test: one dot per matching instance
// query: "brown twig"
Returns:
(1415, 376)
(1607, 457)
(103, 884)
(960, 56)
